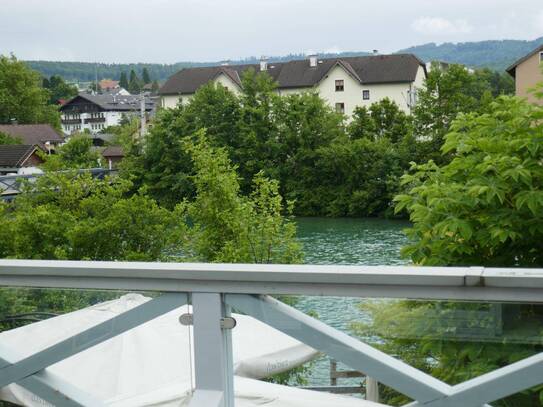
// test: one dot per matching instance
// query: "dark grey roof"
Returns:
(373, 69)
(513, 68)
(110, 102)
(14, 155)
(32, 134)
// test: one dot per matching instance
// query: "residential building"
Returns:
(19, 158)
(41, 135)
(108, 84)
(95, 112)
(344, 83)
(528, 72)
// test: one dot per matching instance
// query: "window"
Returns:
(340, 107)
(366, 94)
(340, 85)
(541, 57)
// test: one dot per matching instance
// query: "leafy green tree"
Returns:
(123, 81)
(446, 94)
(71, 216)
(491, 210)
(59, 89)
(76, 153)
(160, 162)
(501, 83)
(22, 97)
(483, 208)
(145, 76)
(381, 119)
(229, 227)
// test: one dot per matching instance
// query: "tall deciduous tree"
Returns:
(229, 227)
(446, 94)
(22, 97)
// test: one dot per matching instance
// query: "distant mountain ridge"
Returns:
(493, 54)
(496, 55)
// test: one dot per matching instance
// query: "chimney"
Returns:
(313, 60)
(263, 63)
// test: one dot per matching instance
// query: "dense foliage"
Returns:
(22, 97)
(229, 227)
(76, 153)
(327, 164)
(483, 208)
(59, 89)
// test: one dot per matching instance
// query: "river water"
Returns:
(345, 241)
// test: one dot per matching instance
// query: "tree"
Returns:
(446, 94)
(145, 76)
(72, 216)
(59, 89)
(22, 97)
(123, 82)
(134, 85)
(381, 119)
(228, 227)
(75, 154)
(483, 208)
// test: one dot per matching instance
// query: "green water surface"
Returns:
(345, 241)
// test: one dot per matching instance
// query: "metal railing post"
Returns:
(213, 362)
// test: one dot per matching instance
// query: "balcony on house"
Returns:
(71, 121)
(208, 305)
(95, 120)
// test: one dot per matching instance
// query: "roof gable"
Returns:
(15, 155)
(513, 68)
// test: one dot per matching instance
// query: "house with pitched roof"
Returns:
(95, 112)
(528, 73)
(344, 83)
(42, 135)
(15, 158)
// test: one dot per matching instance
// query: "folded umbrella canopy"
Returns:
(150, 364)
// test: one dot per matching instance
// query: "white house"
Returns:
(344, 82)
(95, 112)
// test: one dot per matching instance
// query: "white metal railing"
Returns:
(213, 289)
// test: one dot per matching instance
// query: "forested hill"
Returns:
(496, 55)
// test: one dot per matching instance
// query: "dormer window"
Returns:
(340, 85)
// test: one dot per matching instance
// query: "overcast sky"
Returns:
(169, 31)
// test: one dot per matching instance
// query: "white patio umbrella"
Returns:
(150, 364)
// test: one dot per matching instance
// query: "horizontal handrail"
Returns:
(452, 283)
